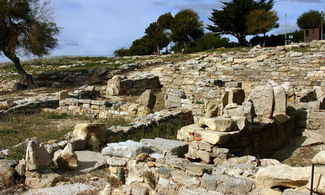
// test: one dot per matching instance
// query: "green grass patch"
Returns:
(58, 116)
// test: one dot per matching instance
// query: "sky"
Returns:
(98, 27)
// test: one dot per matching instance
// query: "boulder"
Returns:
(282, 175)
(147, 99)
(36, 180)
(93, 134)
(114, 85)
(263, 98)
(66, 158)
(319, 159)
(166, 146)
(128, 149)
(7, 175)
(37, 157)
(219, 123)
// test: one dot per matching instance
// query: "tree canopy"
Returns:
(186, 27)
(232, 17)
(25, 26)
(310, 19)
(183, 28)
(260, 21)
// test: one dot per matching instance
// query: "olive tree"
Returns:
(26, 27)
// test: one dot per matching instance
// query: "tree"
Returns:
(208, 41)
(260, 21)
(142, 46)
(157, 36)
(186, 27)
(310, 19)
(165, 20)
(232, 17)
(25, 26)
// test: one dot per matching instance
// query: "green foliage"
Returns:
(260, 21)
(310, 19)
(58, 116)
(183, 29)
(165, 20)
(207, 42)
(186, 27)
(157, 36)
(232, 17)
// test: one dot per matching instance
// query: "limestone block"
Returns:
(66, 158)
(219, 123)
(114, 86)
(147, 99)
(187, 133)
(182, 178)
(282, 175)
(263, 98)
(37, 157)
(280, 101)
(166, 147)
(128, 149)
(76, 188)
(94, 134)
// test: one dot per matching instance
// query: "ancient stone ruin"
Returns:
(218, 123)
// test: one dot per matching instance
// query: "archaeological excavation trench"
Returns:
(218, 123)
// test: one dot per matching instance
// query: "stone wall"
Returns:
(136, 85)
(202, 79)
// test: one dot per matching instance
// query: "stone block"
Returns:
(128, 149)
(166, 147)
(219, 123)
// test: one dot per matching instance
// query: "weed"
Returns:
(150, 178)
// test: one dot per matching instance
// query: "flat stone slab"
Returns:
(73, 189)
(166, 146)
(89, 160)
(128, 149)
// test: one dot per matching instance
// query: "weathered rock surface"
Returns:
(219, 124)
(283, 175)
(128, 149)
(37, 157)
(166, 147)
(7, 175)
(93, 134)
(66, 158)
(263, 98)
(72, 189)
(147, 99)
(319, 159)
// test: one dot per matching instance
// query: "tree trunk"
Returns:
(264, 40)
(27, 78)
(242, 40)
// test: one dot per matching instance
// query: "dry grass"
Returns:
(16, 128)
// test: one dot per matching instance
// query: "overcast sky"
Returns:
(99, 27)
